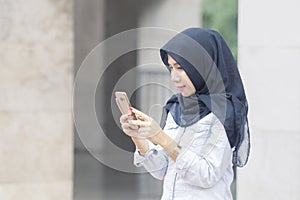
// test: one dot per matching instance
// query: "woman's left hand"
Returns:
(149, 128)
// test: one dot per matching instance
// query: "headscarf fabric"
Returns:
(209, 63)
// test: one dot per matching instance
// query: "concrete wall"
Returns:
(36, 72)
(89, 31)
(269, 59)
(170, 14)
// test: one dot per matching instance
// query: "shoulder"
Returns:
(217, 132)
(210, 125)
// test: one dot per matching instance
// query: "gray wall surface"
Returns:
(269, 59)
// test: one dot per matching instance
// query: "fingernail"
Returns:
(130, 108)
(129, 115)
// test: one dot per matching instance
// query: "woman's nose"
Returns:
(175, 76)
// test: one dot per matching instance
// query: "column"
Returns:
(269, 59)
(36, 73)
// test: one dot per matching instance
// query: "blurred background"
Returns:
(43, 44)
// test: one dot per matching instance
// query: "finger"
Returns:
(129, 127)
(131, 133)
(124, 118)
(139, 117)
(144, 130)
(140, 113)
(139, 123)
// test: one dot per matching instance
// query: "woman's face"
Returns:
(180, 78)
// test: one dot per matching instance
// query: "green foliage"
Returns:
(222, 15)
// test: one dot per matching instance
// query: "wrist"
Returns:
(141, 145)
(161, 139)
(138, 140)
(166, 142)
(142, 149)
(173, 150)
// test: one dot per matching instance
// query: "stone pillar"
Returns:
(269, 59)
(170, 14)
(89, 31)
(36, 73)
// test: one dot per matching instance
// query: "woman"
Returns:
(205, 128)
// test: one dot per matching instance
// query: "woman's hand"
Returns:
(149, 129)
(132, 131)
(128, 129)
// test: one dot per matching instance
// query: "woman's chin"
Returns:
(185, 94)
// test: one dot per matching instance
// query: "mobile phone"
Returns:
(123, 103)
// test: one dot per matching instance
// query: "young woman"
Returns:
(203, 131)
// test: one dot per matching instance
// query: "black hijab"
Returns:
(208, 62)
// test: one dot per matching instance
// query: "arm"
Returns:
(146, 154)
(155, 161)
(203, 170)
(152, 131)
(141, 145)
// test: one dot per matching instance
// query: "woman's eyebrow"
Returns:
(174, 63)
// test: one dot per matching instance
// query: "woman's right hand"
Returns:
(132, 131)
(128, 129)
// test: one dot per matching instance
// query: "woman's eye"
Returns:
(176, 67)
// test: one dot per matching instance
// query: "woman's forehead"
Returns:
(171, 60)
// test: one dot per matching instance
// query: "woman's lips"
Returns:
(181, 87)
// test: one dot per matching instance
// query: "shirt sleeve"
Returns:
(206, 169)
(155, 161)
